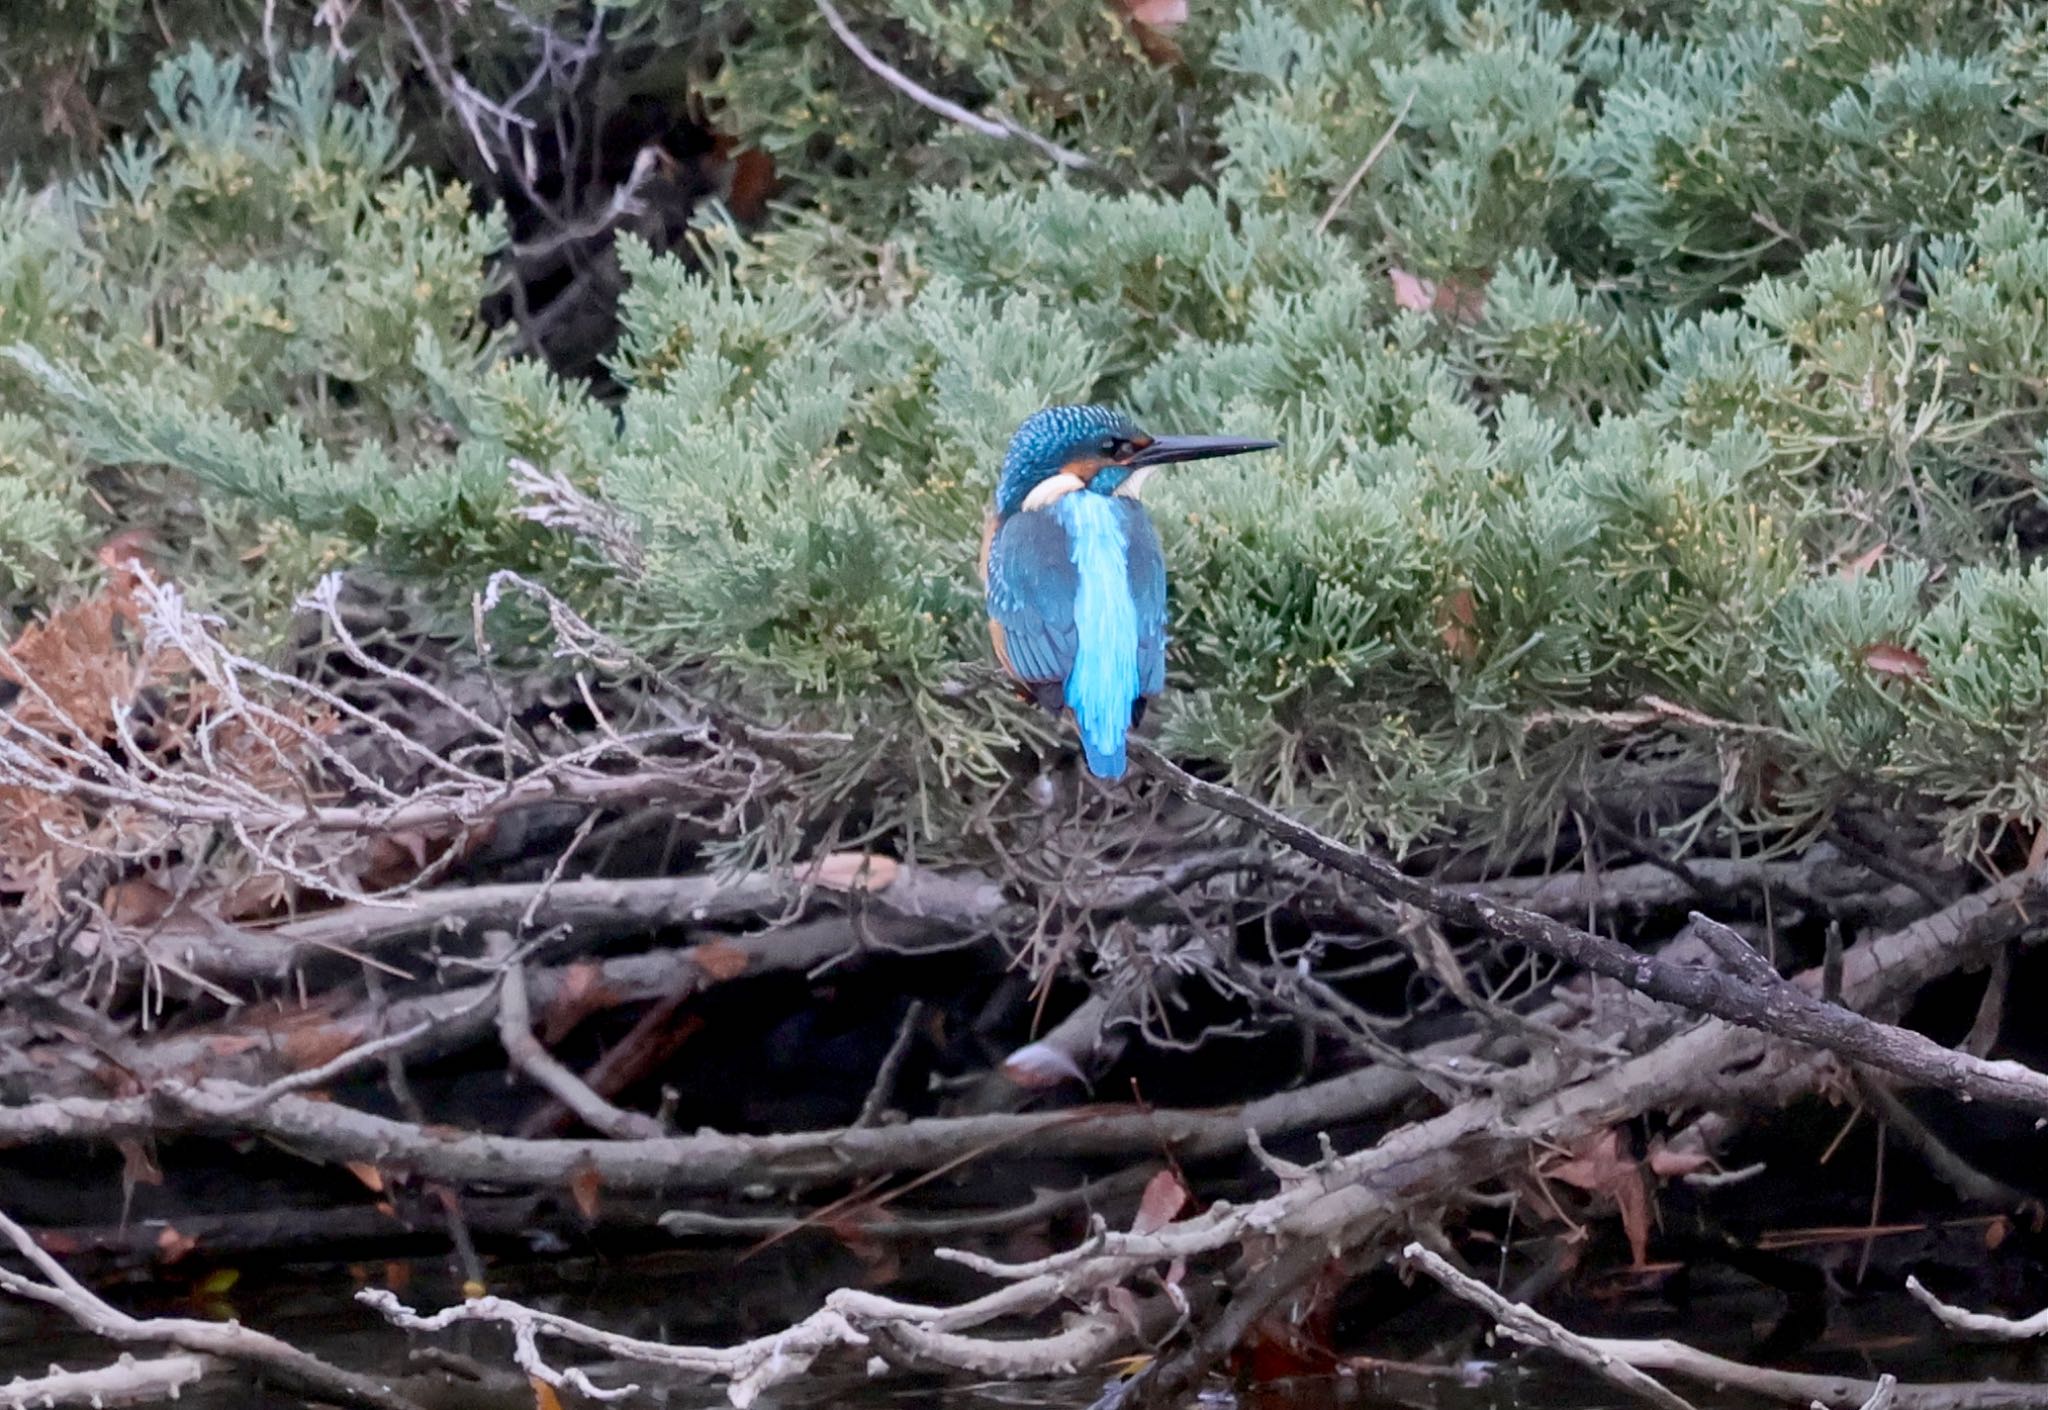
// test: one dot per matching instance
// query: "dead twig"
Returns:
(1752, 998)
(1979, 1324)
(892, 1066)
(1526, 1324)
(1804, 1389)
(230, 1341)
(515, 1031)
(925, 98)
(1372, 159)
(126, 1382)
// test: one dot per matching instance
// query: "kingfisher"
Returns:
(1075, 580)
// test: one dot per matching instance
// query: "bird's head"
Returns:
(1095, 449)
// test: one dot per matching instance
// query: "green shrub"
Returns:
(1717, 458)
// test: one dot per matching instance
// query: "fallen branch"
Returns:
(1877, 972)
(1804, 1389)
(515, 1032)
(126, 1382)
(594, 910)
(1820, 880)
(1979, 1324)
(906, 1333)
(1338, 1206)
(1526, 1324)
(277, 1360)
(1779, 1008)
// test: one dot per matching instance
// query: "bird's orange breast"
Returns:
(996, 636)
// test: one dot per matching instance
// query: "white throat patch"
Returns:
(1135, 481)
(1049, 490)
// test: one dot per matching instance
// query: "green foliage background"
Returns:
(1734, 479)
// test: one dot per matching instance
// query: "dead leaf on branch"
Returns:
(1603, 1166)
(87, 687)
(586, 1188)
(719, 960)
(1668, 1164)
(1461, 300)
(581, 993)
(172, 1245)
(1164, 1198)
(1457, 625)
(1040, 1065)
(855, 871)
(1888, 658)
(1159, 14)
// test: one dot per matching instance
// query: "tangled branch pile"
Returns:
(490, 591)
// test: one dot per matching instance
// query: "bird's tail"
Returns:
(1104, 750)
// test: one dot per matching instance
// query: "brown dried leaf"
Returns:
(753, 183)
(1864, 561)
(138, 903)
(1668, 1164)
(1456, 618)
(138, 1166)
(1165, 1196)
(581, 993)
(720, 961)
(1036, 1066)
(1602, 1166)
(1159, 14)
(88, 679)
(1418, 295)
(370, 1175)
(856, 871)
(172, 1245)
(1890, 659)
(544, 1397)
(585, 1187)
(1462, 300)
(257, 897)
(308, 1045)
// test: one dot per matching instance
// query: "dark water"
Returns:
(1437, 1357)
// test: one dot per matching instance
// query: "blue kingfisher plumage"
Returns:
(1075, 578)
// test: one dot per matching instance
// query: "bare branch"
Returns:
(515, 1031)
(1526, 1324)
(1804, 1389)
(1372, 158)
(1780, 1008)
(228, 1340)
(1979, 1324)
(925, 98)
(126, 1382)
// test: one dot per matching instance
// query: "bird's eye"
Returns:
(1115, 447)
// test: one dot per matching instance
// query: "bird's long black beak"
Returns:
(1171, 450)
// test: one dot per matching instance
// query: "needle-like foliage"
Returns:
(1663, 406)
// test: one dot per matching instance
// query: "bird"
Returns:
(1072, 570)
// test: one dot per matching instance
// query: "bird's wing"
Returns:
(1147, 566)
(1032, 584)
